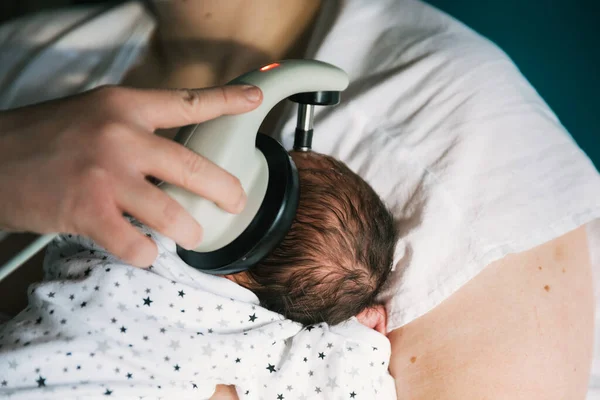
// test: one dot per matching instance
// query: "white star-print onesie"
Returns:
(98, 328)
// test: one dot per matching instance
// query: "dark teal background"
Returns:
(556, 45)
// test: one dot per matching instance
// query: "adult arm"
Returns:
(522, 329)
(75, 165)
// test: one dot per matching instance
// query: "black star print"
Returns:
(83, 304)
(318, 389)
(123, 329)
(252, 317)
(271, 368)
(147, 291)
(310, 328)
(237, 360)
(305, 359)
(117, 284)
(41, 381)
(51, 294)
(113, 320)
(279, 397)
(352, 395)
(167, 358)
(145, 337)
(177, 367)
(181, 293)
(87, 272)
(374, 348)
(96, 288)
(329, 345)
(147, 301)
(321, 356)
(108, 392)
(129, 375)
(71, 297)
(38, 321)
(194, 386)
(162, 330)
(4, 383)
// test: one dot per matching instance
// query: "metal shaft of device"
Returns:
(304, 127)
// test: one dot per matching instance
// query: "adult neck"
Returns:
(208, 42)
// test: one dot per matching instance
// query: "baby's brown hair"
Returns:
(338, 253)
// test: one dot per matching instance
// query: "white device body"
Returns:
(229, 142)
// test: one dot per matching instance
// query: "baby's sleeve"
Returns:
(364, 363)
(347, 361)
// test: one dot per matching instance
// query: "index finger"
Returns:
(161, 109)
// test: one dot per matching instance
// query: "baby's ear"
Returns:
(374, 317)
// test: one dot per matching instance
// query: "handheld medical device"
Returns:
(234, 242)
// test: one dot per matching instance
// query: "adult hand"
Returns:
(75, 165)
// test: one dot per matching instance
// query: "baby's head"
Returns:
(338, 253)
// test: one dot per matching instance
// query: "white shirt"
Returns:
(437, 119)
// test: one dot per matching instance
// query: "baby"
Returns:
(285, 329)
(338, 253)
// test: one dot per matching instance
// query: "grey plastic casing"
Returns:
(229, 142)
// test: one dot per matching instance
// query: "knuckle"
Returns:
(224, 95)
(96, 179)
(110, 135)
(193, 167)
(130, 247)
(90, 204)
(171, 214)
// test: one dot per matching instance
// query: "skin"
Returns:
(521, 329)
(503, 335)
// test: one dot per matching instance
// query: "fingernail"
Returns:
(241, 202)
(252, 93)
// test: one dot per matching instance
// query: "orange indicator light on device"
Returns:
(268, 67)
